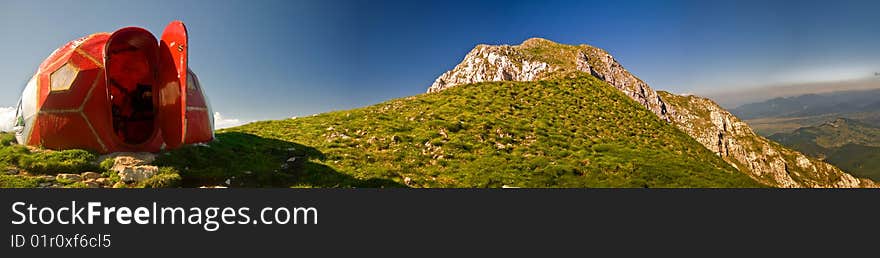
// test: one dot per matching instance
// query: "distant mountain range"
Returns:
(845, 102)
(735, 98)
(784, 115)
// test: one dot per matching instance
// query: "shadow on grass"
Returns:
(248, 160)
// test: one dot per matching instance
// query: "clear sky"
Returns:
(275, 59)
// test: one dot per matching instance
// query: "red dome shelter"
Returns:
(123, 91)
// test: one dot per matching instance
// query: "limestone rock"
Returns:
(133, 167)
(122, 160)
(491, 63)
(91, 183)
(71, 177)
(103, 181)
(137, 173)
(90, 175)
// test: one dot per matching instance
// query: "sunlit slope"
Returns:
(567, 132)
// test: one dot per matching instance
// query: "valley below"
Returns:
(841, 128)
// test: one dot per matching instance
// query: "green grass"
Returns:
(571, 132)
(44, 162)
(55, 162)
(859, 160)
(10, 155)
(557, 133)
(33, 164)
(167, 177)
(16, 181)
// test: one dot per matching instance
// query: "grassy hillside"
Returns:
(573, 132)
(851, 145)
(578, 132)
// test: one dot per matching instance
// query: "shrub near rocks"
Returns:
(9, 155)
(167, 177)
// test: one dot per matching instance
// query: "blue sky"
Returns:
(275, 59)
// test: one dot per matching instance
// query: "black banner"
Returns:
(461, 222)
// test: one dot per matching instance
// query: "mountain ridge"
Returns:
(761, 159)
(538, 58)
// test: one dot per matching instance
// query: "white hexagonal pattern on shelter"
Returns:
(63, 78)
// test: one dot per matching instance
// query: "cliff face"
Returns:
(712, 126)
(537, 59)
(762, 159)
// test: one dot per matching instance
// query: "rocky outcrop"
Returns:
(492, 63)
(712, 126)
(133, 167)
(764, 160)
(537, 59)
(69, 177)
(87, 179)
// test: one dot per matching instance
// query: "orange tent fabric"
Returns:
(124, 91)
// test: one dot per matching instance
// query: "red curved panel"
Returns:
(172, 91)
(199, 127)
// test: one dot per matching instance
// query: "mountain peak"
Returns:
(536, 41)
(538, 59)
(706, 122)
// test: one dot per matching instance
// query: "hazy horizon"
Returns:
(738, 97)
